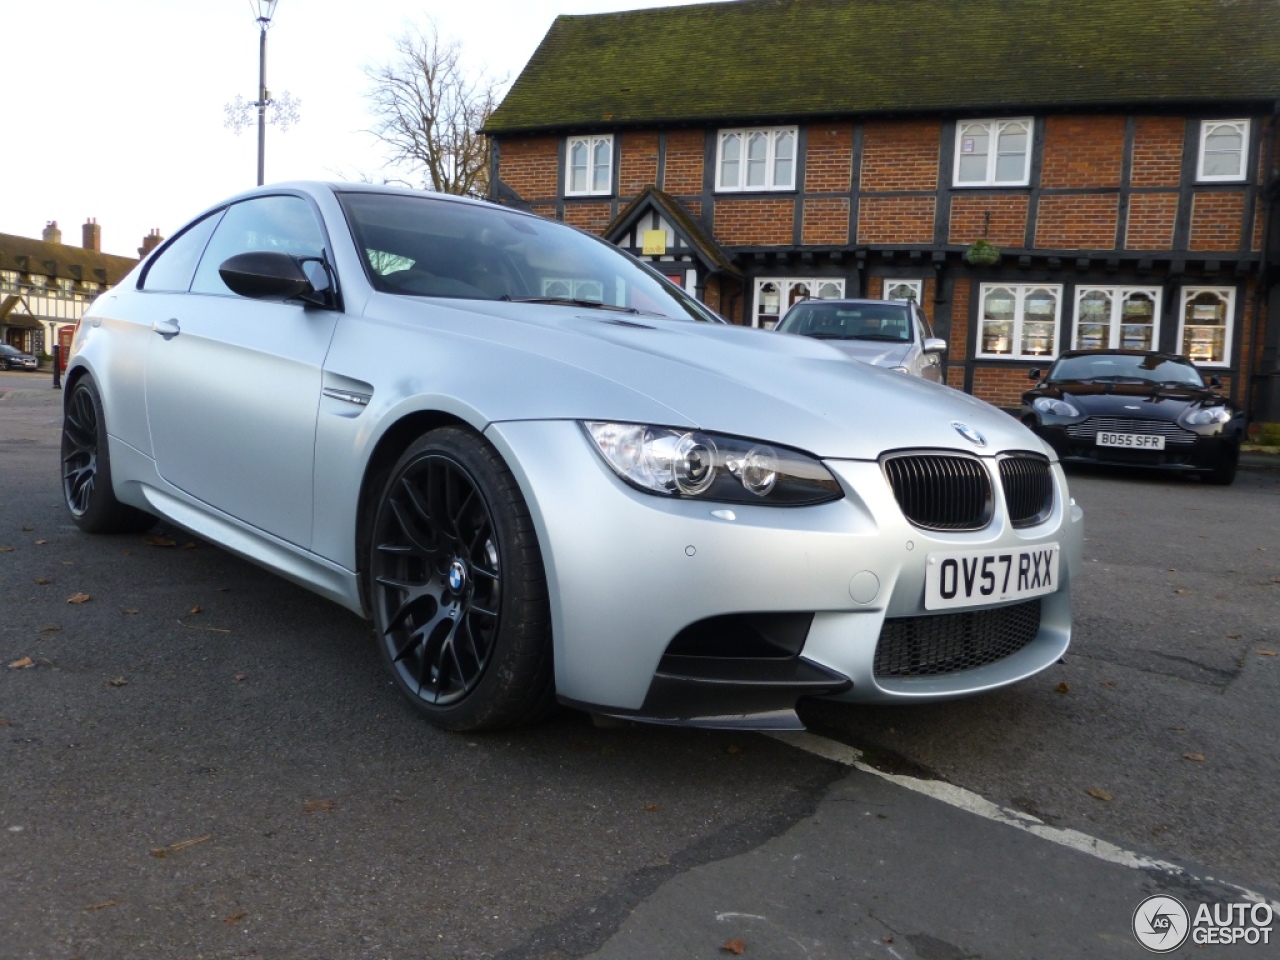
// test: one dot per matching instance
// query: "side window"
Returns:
(171, 269)
(285, 224)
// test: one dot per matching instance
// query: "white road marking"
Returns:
(972, 803)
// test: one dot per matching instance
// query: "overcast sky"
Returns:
(117, 106)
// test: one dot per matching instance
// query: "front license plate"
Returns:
(1134, 441)
(972, 577)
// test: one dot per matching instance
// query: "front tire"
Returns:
(86, 467)
(458, 587)
(1223, 473)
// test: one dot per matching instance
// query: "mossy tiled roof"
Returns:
(40, 257)
(791, 59)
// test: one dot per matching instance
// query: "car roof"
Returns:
(1121, 352)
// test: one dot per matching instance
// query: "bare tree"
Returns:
(427, 110)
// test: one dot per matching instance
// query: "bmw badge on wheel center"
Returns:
(550, 476)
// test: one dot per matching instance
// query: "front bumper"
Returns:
(1184, 451)
(797, 598)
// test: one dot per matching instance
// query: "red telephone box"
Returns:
(64, 344)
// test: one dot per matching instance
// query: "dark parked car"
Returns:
(11, 358)
(1136, 408)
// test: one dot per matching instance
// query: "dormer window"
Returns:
(589, 166)
(1224, 151)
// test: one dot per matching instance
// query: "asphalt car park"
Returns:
(202, 759)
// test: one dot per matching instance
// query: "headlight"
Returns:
(705, 466)
(1206, 415)
(1059, 408)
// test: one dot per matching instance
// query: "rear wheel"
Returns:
(86, 467)
(458, 588)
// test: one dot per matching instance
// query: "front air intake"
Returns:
(941, 491)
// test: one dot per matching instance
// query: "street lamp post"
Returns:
(284, 110)
(265, 10)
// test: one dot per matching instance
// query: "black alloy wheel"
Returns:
(86, 467)
(458, 588)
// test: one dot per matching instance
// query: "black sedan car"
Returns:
(11, 358)
(1136, 408)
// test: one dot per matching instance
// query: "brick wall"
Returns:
(1006, 226)
(1079, 221)
(547, 210)
(826, 221)
(637, 162)
(829, 159)
(593, 217)
(683, 175)
(1151, 221)
(958, 341)
(1258, 220)
(1083, 152)
(529, 167)
(1157, 151)
(755, 222)
(900, 155)
(1003, 386)
(895, 220)
(1216, 221)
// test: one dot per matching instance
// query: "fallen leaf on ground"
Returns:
(1107, 683)
(42, 581)
(6, 549)
(182, 845)
(733, 748)
(194, 626)
(27, 528)
(79, 598)
(1267, 653)
(23, 664)
(68, 563)
(50, 629)
(1197, 757)
(40, 543)
(240, 677)
(235, 917)
(1173, 569)
(126, 553)
(152, 540)
(195, 609)
(315, 806)
(101, 906)
(118, 682)
(736, 947)
(1063, 688)
(1181, 591)
(1233, 636)
(1099, 794)
(651, 807)
(130, 610)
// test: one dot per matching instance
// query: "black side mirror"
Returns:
(1034, 375)
(274, 275)
(1215, 382)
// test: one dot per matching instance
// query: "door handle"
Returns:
(166, 328)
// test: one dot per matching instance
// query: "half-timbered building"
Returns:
(1038, 176)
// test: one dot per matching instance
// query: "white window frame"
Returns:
(1228, 296)
(771, 135)
(1207, 128)
(592, 169)
(1020, 293)
(964, 129)
(792, 290)
(1115, 320)
(916, 285)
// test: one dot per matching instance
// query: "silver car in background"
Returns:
(548, 475)
(885, 333)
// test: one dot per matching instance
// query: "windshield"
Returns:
(428, 247)
(1111, 366)
(884, 322)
